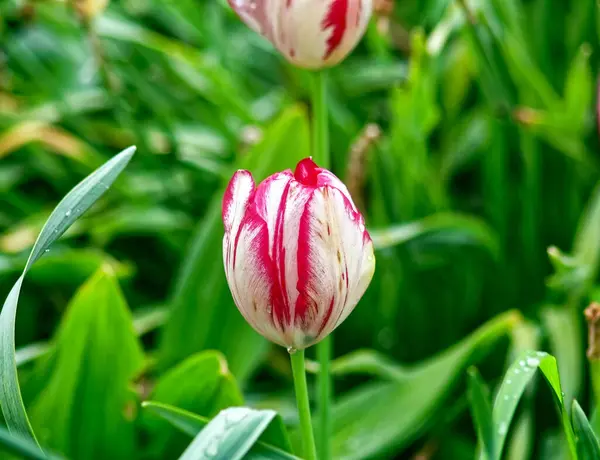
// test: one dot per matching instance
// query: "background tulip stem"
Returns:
(320, 121)
(324, 380)
(299, 372)
(322, 158)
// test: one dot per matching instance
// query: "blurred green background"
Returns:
(467, 132)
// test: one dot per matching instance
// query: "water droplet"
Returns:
(521, 363)
(68, 213)
(212, 450)
(517, 371)
(370, 257)
(269, 308)
(234, 415)
(506, 397)
(502, 429)
(562, 394)
(541, 354)
(291, 350)
(46, 251)
(533, 362)
(526, 369)
(508, 382)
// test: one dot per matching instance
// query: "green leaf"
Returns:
(230, 435)
(513, 386)
(191, 424)
(201, 384)
(565, 335)
(75, 203)
(368, 362)
(23, 447)
(481, 409)
(399, 411)
(530, 80)
(202, 308)
(588, 447)
(85, 408)
(579, 89)
(471, 230)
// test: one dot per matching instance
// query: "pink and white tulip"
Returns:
(296, 252)
(310, 33)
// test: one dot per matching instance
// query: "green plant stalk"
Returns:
(595, 377)
(324, 380)
(321, 156)
(320, 121)
(299, 372)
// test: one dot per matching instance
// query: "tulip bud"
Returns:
(296, 252)
(310, 33)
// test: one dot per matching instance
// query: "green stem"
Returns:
(320, 121)
(595, 376)
(324, 380)
(321, 157)
(308, 439)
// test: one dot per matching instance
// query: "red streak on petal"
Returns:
(304, 300)
(335, 19)
(260, 249)
(327, 316)
(279, 298)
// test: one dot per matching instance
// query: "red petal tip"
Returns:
(307, 172)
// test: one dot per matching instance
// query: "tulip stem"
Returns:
(321, 157)
(320, 121)
(324, 381)
(299, 372)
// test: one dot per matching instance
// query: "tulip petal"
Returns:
(251, 277)
(335, 263)
(236, 199)
(254, 14)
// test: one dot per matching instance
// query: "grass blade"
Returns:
(191, 424)
(24, 448)
(481, 409)
(73, 205)
(512, 388)
(588, 447)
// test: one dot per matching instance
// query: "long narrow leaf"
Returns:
(588, 447)
(191, 424)
(482, 412)
(512, 388)
(73, 205)
(24, 448)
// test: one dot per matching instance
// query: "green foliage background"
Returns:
(480, 192)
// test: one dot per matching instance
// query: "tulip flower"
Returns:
(296, 252)
(310, 33)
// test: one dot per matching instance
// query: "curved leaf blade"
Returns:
(481, 409)
(24, 448)
(588, 447)
(471, 229)
(72, 206)
(191, 424)
(516, 379)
